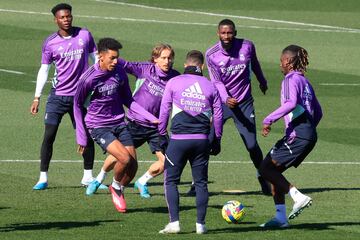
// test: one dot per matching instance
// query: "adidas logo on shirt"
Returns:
(194, 91)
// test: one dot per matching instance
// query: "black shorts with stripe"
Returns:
(290, 152)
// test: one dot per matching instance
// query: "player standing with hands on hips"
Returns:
(194, 103)
(230, 62)
(302, 113)
(69, 50)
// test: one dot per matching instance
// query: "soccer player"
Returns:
(69, 50)
(230, 62)
(104, 88)
(195, 103)
(302, 113)
(151, 80)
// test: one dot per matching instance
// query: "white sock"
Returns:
(43, 177)
(101, 176)
(87, 174)
(281, 213)
(115, 184)
(295, 194)
(145, 178)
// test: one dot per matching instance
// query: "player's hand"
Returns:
(215, 147)
(265, 130)
(263, 88)
(80, 149)
(231, 102)
(157, 121)
(163, 142)
(34, 109)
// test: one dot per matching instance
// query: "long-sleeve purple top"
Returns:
(150, 85)
(194, 102)
(297, 98)
(70, 57)
(230, 71)
(104, 93)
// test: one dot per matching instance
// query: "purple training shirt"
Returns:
(230, 71)
(70, 57)
(106, 92)
(150, 85)
(194, 102)
(297, 98)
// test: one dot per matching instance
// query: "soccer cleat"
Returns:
(192, 191)
(299, 206)
(92, 187)
(275, 223)
(143, 190)
(200, 228)
(265, 186)
(87, 182)
(40, 186)
(173, 227)
(118, 199)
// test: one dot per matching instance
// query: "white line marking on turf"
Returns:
(339, 84)
(229, 16)
(11, 71)
(190, 23)
(211, 162)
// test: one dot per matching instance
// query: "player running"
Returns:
(106, 88)
(194, 103)
(69, 50)
(302, 113)
(151, 80)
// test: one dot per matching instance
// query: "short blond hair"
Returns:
(157, 50)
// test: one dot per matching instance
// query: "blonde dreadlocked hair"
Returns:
(299, 57)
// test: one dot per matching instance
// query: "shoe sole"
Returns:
(298, 212)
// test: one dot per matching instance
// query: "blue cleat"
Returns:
(40, 186)
(144, 192)
(93, 187)
(275, 223)
(103, 187)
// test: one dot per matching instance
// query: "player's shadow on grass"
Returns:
(52, 225)
(236, 193)
(165, 210)
(304, 226)
(326, 189)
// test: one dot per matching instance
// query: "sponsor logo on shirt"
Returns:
(233, 69)
(194, 91)
(155, 89)
(72, 55)
(108, 89)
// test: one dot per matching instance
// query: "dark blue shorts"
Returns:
(141, 134)
(290, 152)
(57, 107)
(105, 136)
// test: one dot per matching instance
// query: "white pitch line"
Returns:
(211, 162)
(339, 84)
(189, 23)
(229, 16)
(12, 71)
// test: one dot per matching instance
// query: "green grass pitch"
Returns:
(329, 30)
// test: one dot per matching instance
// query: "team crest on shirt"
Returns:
(221, 63)
(242, 57)
(60, 49)
(81, 42)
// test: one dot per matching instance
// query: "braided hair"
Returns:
(299, 57)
